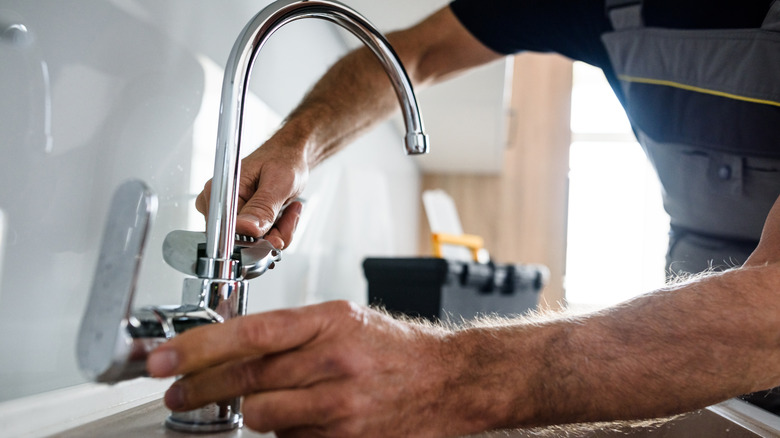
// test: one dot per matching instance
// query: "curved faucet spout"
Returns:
(224, 189)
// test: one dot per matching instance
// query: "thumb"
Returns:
(258, 214)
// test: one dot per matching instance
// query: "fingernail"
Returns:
(249, 218)
(162, 363)
(297, 207)
(174, 397)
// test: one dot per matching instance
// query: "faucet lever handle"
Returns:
(103, 343)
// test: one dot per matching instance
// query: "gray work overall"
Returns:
(705, 105)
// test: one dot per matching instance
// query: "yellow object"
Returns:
(470, 241)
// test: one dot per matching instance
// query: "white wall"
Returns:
(101, 91)
(468, 116)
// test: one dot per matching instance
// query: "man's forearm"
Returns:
(660, 354)
(356, 93)
(350, 371)
(353, 95)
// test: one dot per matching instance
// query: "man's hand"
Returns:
(271, 177)
(353, 96)
(335, 369)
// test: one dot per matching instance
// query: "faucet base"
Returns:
(215, 417)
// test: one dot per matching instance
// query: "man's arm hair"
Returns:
(354, 95)
(678, 349)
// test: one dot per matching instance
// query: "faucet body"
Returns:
(218, 261)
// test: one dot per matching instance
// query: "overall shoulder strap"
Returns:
(772, 20)
(627, 14)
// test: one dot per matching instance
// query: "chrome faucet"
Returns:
(224, 189)
(115, 340)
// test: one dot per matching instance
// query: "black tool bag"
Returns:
(439, 289)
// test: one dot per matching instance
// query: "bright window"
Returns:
(617, 228)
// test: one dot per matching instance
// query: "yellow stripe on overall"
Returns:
(696, 89)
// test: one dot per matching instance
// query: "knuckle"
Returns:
(351, 408)
(247, 184)
(251, 332)
(350, 322)
(351, 424)
(260, 205)
(345, 407)
(202, 203)
(247, 378)
(350, 315)
(334, 363)
(346, 309)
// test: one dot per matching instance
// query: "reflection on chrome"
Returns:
(2, 250)
(47, 108)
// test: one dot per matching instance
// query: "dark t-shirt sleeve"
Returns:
(572, 28)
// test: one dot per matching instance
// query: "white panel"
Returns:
(466, 117)
(97, 92)
(2, 251)
(57, 411)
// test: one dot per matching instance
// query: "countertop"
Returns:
(720, 421)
